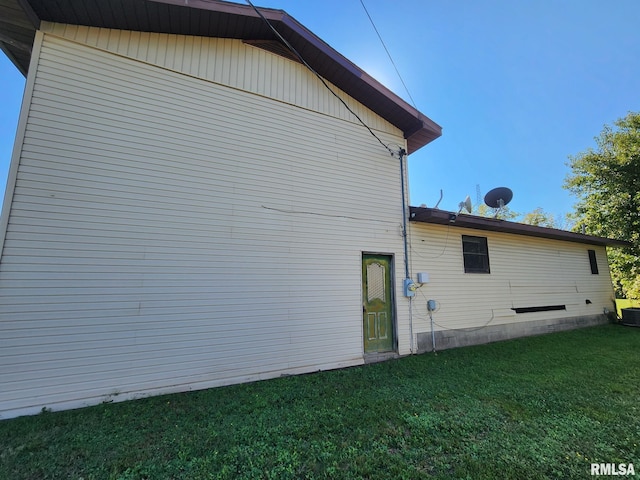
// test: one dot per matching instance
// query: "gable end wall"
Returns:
(169, 233)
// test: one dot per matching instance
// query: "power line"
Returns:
(304, 62)
(388, 54)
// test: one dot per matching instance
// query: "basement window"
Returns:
(476, 254)
(593, 262)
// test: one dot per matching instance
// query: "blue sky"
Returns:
(517, 86)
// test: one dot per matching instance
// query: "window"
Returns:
(476, 254)
(593, 262)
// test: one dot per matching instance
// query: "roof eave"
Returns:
(443, 217)
(18, 25)
(418, 130)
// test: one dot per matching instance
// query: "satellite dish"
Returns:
(466, 205)
(498, 197)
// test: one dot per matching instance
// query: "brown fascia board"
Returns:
(231, 8)
(177, 17)
(418, 129)
(442, 217)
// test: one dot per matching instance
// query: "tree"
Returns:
(505, 213)
(606, 182)
(540, 218)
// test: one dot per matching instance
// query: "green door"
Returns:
(377, 303)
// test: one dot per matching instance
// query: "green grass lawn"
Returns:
(540, 407)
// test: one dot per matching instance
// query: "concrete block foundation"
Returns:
(445, 339)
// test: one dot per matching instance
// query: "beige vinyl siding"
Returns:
(227, 62)
(168, 233)
(525, 272)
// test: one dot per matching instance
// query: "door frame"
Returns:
(394, 309)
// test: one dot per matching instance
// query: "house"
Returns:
(493, 279)
(189, 205)
(180, 210)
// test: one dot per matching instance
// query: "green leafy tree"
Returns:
(504, 213)
(537, 217)
(606, 181)
(540, 218)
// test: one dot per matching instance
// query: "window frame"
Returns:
(470, 258)
(593, 262)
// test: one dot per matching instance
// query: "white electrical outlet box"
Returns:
(423, 277)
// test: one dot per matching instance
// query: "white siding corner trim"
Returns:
(17, 145)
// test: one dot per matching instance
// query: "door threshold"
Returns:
(375, 357)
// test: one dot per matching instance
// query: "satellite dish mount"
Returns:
(498, 198)
(466, 204)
